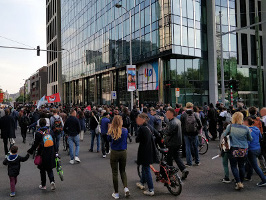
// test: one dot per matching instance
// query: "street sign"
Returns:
(113, 94)
(177, 92)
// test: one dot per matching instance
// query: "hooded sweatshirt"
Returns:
(13, 163)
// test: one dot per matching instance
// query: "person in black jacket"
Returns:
(173, 141)
(212, 116)
(133, 116)
(126, 121)
(24, 122)
(146, 153)
(7, 126)
(13, 162)
(72, 128)
(47, 153)
(95, 120)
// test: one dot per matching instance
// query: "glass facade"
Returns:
(96, 36)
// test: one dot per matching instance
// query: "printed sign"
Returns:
(131, 78)
(177, 92)
(113, 94)
(148, 77)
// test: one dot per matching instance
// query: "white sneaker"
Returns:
(77, 159)
(148, 193)
(140, 186)
(127, 193)
(42, 187)
(72, 162)
(108, 152)
(53, 186)
(115, 195)
(104, 156)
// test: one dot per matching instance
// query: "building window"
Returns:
(244, 49)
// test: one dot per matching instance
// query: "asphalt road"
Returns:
(92, 179)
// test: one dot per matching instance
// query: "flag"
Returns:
(41, 102)
(53, 98)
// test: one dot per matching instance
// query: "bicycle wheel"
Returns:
(139, 171)
(175, 188)
(203, 145)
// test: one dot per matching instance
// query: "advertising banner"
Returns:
(131, 78)
(148, 77)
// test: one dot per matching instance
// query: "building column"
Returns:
(212, 52)
(263, 18)
(161, 85)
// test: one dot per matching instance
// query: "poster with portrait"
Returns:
(131, 78)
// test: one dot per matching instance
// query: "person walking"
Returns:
(126, 121)
(191, 125)
(212, 116)
(254, 151)
(239, 137)
(57, 125)
(44, 143)
(24, 122)
(173, 141)
(13, 162)
(81, 118)
(105, 121)
(146, 153)
(94, 122)
(118, 138)
(133, 116)
(72, 129)
(7, 126)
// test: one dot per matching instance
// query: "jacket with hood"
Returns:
(13, 163)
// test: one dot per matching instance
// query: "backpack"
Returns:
(191, 123)
(47, 138)
(258, 124)
(25, 120)
(57, 126)
(126, 121)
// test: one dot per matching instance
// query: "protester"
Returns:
(118, 138)
(239, 137)
(105, 121)
(254, 152)
(13, 162)
(191, 125)
(146, 153)
(57, 125)
(7, 126)
(94, 122)
(173, 140)
(44, 143)
(72, 129)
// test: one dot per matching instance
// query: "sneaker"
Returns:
(72, 162)
(239, 186)
(115, 195)
(247, 179)
(42, 187)
(226, 180)
(127, 193)
(148, 193)
(77, 159)
(12, 194)
(197, 164)
(187, 165)
(140, 186)
(261, 184)
(53, 186)
(90, 150)
(104, 156)
(184, 174)
(108, 152)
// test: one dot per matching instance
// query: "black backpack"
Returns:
(190, 123)
(126, 121)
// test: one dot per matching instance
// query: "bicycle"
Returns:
(203, 143)
(65, 143)
(59, 168)
(167, 175)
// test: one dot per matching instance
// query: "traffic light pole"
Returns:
(222, 61)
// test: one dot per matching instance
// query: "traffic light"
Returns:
(234, 85)
(231, 84)
(38, 50)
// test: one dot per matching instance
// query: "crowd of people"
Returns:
(155, 127)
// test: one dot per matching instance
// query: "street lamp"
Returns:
(130, 42)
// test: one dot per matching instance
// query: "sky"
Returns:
(23, 21)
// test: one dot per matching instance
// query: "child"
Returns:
(13, 163)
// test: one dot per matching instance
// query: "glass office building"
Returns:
(167, 41)
(174, 45)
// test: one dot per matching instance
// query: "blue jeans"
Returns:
(253, 164)
(240, 162)
(98, 137)
(192, 146)
(57, 140)
(71, 141)
(146, 177)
